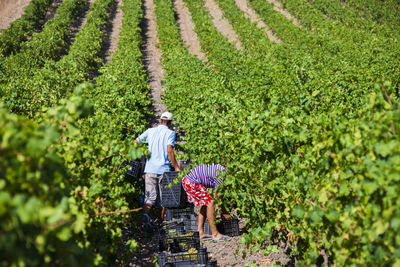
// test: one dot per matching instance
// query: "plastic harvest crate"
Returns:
(172, 228)
(174, 196)
(177, 213)
(135, 169)
(175, 242)
(190, 223)
(184, 259)
(229, 227)
(226, 227)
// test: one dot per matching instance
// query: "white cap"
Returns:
(166, 116)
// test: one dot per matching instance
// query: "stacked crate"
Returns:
(178, 238)
(186, 259)
(225, 227)
(179, 245)
(172, 196)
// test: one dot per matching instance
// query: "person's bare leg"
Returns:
(200, 221)
(211, 220)
(162, 215)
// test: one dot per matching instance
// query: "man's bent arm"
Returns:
(171, 156)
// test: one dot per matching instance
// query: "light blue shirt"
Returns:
(158, 139)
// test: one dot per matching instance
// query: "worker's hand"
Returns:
(144, 176)
(178, 169)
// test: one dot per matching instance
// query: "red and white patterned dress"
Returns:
(196, 193)
(200, 178)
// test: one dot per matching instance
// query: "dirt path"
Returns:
(152, 59)
(278, 7)
(79, 22)
(84, 16)
(11, 10)
(254, 18)
(234, 253)
(110, 36)
(111, 42)
(186, 27)
(230, 254)
(222, 24)
(52, 11)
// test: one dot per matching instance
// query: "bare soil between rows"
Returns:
(11, 10)
(227, 253)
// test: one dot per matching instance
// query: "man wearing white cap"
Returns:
(161, 141)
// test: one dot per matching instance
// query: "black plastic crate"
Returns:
(176, 227)
(177, 213)
(135, 169)
(186, 259)
(190, 222)
(226, 227)
(229, 227)
(174, 196)
(175, 242)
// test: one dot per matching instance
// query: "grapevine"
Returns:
(307, 128)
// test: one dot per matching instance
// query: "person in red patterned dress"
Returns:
(195, 184)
